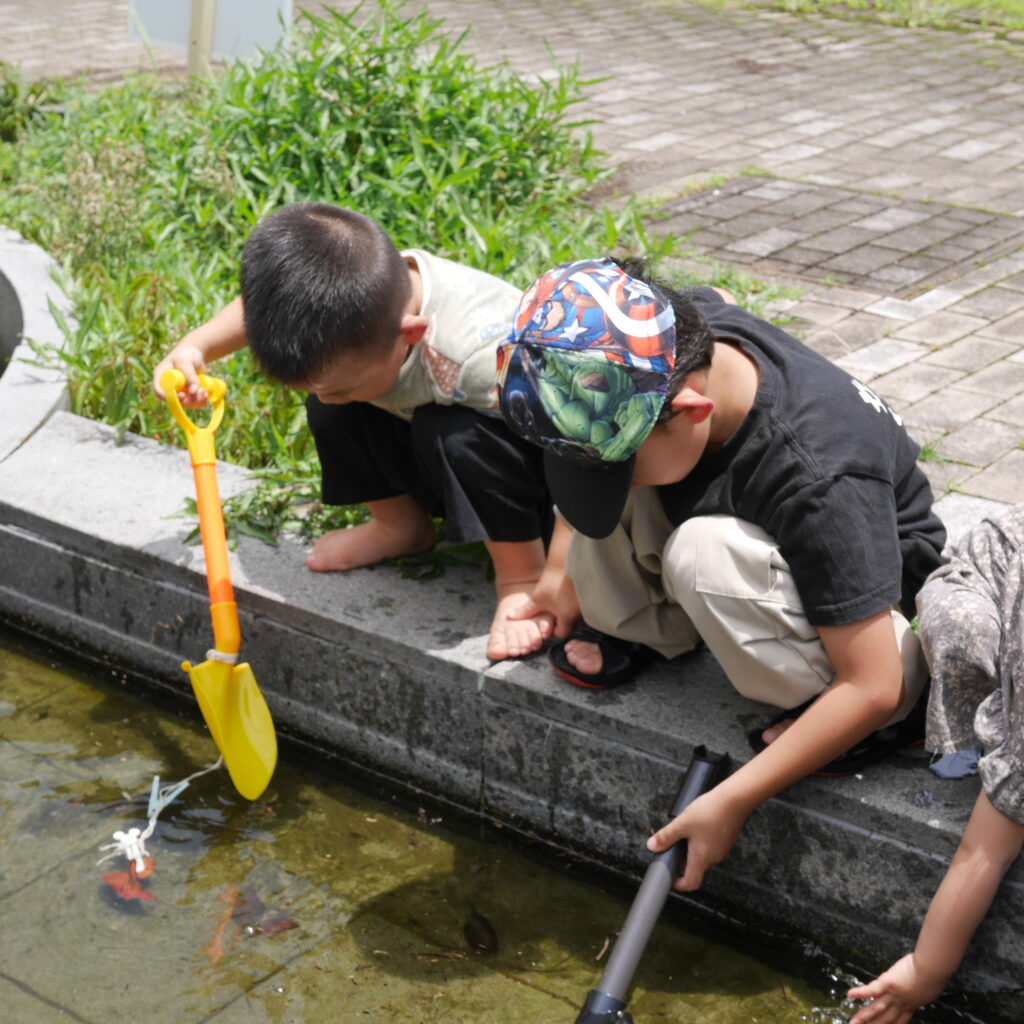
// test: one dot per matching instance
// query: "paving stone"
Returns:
(799, 256)
(840, 240)
(656, 142)
(851, 297)
(825, 341)
(1011, 412)
(969, 150)
(947, 409)
(819, 314)
(735, 206)
(928, 263)
(1003, 380)
(1010, 328)
(881, 357)
(980, 442)
(947, 476)
(935, 299)
(765, 242)
(970, 353)
(917, 237)
(801, 203)
(819, 222)
(861, 329)
(942, 328)
(910, 384)
(889, 220)
(865, 260)
(992, 303)
(1003, 480)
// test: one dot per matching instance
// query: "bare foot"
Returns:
(584, 656)
(367, 544)
(514, 638)
(771, 734)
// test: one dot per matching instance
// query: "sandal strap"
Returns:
(605, 640)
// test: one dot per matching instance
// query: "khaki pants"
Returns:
(720, 580)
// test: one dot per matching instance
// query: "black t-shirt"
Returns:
(826, 468)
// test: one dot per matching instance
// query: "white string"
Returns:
(228, 659)
(133, 842)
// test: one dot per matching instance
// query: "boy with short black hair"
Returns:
(726, 484)
(397, 353)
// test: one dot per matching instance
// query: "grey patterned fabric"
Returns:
(971, 613)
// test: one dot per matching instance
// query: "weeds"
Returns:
(20, 104)
(146, 191)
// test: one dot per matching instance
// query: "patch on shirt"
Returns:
(444, 372)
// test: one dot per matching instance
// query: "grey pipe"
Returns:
(606, 1004)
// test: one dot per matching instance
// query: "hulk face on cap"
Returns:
(585, 375)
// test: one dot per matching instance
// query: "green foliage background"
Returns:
(145, 192)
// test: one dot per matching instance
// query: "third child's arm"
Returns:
(990, 844)
(865, 693)
(221, 335)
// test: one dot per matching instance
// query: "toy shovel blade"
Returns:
(239, 722)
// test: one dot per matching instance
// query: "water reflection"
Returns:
(315, 903)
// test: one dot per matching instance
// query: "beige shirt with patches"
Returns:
(469, 314)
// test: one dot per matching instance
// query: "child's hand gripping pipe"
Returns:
(231, 702)
(606, 1004)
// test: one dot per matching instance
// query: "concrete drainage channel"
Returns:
(392, 674)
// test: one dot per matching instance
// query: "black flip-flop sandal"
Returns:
(621, 660)
(875, 746)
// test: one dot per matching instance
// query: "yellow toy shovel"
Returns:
(231, 702)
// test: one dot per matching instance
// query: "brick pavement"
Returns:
(879, 168)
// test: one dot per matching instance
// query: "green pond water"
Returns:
(316, 903)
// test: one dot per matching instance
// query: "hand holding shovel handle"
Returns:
(232, 705)
(606, 1004)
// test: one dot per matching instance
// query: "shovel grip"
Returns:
(223, 611)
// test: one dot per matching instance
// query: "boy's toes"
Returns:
(497, 644)
(772, 733)
(584, 656)
(514, 639)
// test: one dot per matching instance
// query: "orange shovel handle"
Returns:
(223, 610)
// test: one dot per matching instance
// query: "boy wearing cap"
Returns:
(726, 484)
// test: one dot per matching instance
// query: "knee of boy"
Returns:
(958, 624)
(680, 557)
(718, 533)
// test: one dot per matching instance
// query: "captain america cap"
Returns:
(585, 375)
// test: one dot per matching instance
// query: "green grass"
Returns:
(145, 192)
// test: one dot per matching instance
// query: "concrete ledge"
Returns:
(392, 674)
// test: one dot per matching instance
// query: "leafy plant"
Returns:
(147, 190)
(21, 103)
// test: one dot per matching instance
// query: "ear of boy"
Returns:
(412, 328)
(691, 402)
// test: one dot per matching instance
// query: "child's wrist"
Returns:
(931, 976)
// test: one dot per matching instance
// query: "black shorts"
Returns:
(486, 481)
